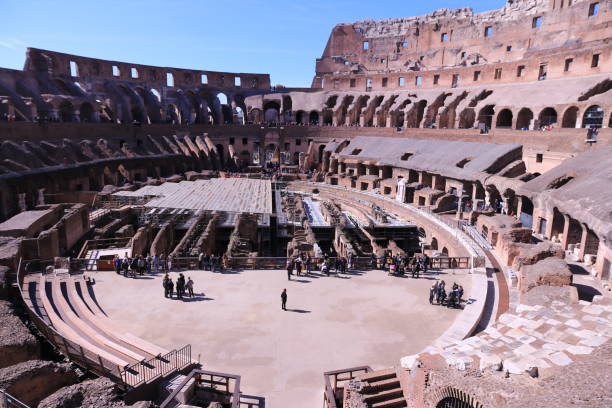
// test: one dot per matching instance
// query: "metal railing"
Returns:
(227, 384)
(147, 370)
(8, 401)
(330, 397)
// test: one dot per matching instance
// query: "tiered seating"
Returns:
(65, 304)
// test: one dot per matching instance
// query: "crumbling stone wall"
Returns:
(17, 344)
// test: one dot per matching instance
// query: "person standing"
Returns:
(180, 286)
(201, 260)
(284, 299)
(166, 284)
(432, 293)
(308, 264)
(117, 264)
(213, 262)
(289, 268)
(189, 286)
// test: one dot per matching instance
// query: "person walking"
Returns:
(213, 263)
(117, 264)
(189, 286)
(284, 299)
(166, 284)
(308, 264)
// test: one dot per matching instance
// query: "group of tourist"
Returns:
(212, 262)
(181, 286)
(138, 265)
(452, 298)
(400, 265)
(341, 264)
(298, 264)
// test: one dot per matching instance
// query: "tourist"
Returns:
(155, 261)
(289, 268)
(125, 264)
(308, 264)
(416, 270)
(134, 267)
(201, 260)
(180, 286)
(170, 262)
(298, 266)
(148, 263)
(207, 262)
(141, 265)
(425, 263)
(284, 299)
(213, 263)
(162, 262)
(432, 293)
(189, 286)
(117, 264)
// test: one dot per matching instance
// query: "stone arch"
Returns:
(255, 115)
(593, 117)
(66, 111)
(108, 176)
(485, 116)
(547, 117)
(245, 158)
(137, 114)
(271, 111)
(570, 117)
(300, 117)
(524, 118)
(434, 244)
(445, 251)
(287, 104)
(504, 119)
(328, 117)
(321, 150)
(415, 114)
(220, 153)
(86, 112)
(313, 118)
(467, 118)
(172, 114)
(151, 104)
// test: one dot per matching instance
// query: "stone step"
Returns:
(385, 384)
(378, 375)
(397, 402)
(384, 396)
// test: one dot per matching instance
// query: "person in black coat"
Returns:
(284, 299)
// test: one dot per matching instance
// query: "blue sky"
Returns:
(279, 37)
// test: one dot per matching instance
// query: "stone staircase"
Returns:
(382, 389)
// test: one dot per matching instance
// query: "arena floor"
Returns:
(235, 324)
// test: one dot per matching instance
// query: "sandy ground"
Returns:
(235, 324)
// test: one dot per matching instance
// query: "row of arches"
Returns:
(592, 117)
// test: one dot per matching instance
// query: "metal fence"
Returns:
(175, 360)
(8, 401)
(227, 384)
(334, 384)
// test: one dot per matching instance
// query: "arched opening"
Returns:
(547, 117)
(593, 117)
(452, 402)
(66, 111)
(526, 212)
(86, 112)
(108, 177)
(299, 117)
(328, 117)
(137, 114)
(220, 154)
(296, 158)
(255, 115)
(239, 115)
(434, 244)
(524, 118)
(271, 112)
(485, 116)
(156, 94)
(222, 98)
(504, 119)
(313, 118)
(445, 251)
(321, 150)
(467, 118)
(172, 115)
(415, 115)
(570, 117)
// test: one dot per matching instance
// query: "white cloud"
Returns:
(11, 43)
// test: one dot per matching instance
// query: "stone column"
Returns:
(459, 214)
(566, 227)
(583, 242)
(41, 196)
(22, 202)
(487, 198)
(519, 207)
